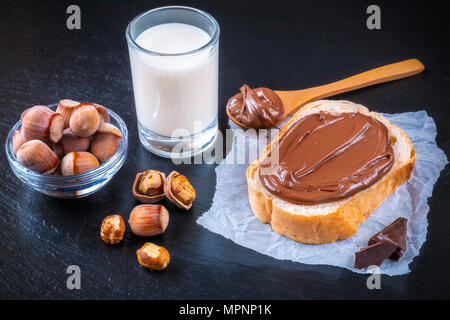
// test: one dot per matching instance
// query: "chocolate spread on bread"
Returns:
(256, 108)
(325, 157)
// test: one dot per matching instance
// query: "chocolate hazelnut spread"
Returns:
(256, 108)
(325, 158)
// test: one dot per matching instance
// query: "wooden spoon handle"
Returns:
(292, 100)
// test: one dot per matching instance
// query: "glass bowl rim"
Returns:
(88, 176)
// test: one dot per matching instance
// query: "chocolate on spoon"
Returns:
(263, 108)
(255, 108)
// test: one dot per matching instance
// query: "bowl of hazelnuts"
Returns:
(67, 150)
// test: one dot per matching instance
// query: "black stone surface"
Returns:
(275, 44)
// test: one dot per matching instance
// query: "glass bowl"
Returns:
(76, 186)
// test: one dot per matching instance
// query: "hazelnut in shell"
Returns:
(104, 115)
(148, 186)
(65, 109)
(71, 142)
(112, 229)
(148, 220)
(84, 120)
(78, 162)
(179, 190)
(17, 140)
(37, 156)
(24, 113)
(105, 141)
(41, 123)
(153, 257)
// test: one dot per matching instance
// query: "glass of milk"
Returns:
(174, 65)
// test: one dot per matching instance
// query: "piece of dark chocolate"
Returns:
(375, 254)
(396, 232)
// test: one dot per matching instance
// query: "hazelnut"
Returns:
(65, 109)
(78, 162)
(148, 220)
(179, 190)
(37, 156)
(153, 256)
(71, 142)
(104, 116)
(105, 141)
(17, 140)
(41, 123)
(151, 183)
(24, 113)
(148, 186)
(84, 120)
(113, 228)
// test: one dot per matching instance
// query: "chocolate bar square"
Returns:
(396, 232)
(375, 254)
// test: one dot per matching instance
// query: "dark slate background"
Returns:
(273, 44)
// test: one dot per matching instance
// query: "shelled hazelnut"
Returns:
(78, 162)
(70, 143)
(152, 183)
(153, 256)
(17, 140)
(105, 141)
(65, 109)
(148, 220)
(112, 229)
(148, 186)
(84, 120)
(37, 156)
(179, 190)
(41, 123)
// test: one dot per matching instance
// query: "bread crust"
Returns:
(337, 225)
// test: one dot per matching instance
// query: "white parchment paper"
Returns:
(230, 214)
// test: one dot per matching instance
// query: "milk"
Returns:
(175, 93)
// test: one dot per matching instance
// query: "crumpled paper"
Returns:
(230, 214)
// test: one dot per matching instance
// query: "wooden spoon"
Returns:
(293, 100)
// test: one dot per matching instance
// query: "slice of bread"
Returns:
(328, 222)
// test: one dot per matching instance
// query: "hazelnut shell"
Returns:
(169, 194)
(142, 197)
